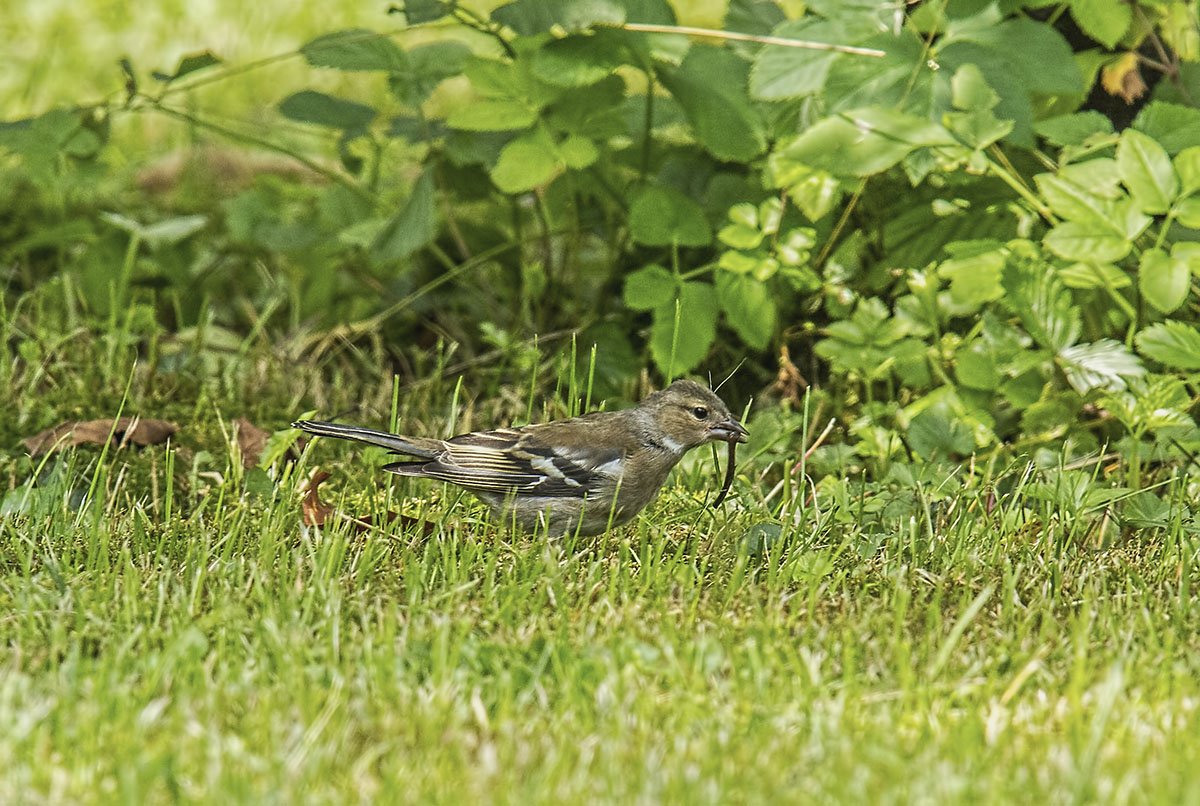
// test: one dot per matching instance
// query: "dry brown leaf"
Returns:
(96, 432)
(317, 513)
(1123, 78)
(251, 441)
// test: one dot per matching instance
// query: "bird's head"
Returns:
(690, 415)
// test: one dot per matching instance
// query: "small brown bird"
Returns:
(584, 475)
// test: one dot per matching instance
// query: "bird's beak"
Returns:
(729, 431)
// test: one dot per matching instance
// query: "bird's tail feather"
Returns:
(393, 442)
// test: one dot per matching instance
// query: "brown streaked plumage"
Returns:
(583, 474)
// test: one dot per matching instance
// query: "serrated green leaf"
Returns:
(1074, 203)
(309, 106)
(1104, 364)
(421, 11)
(1072, 240)
(649, 287)
(1097, 176)
(189, 64)
(1172, 344)
(933, 433)
(739, 236)
(970, 91)
(412, 227)
(783, 73)
(355, 49)
(864, 141)
(428, 65)
(1094, 275)
(578, 152)
(1146, 170)
(677, 350)
(710, 85)
(1043, 304)
(974, 280)
(738, 262)
(1102, 20)
(749, 308)
(1173, 126)
(1188, 252)
(976, 369)
(528, 161)
(578, 60)
(492, 115)
(1187, 166)
(1162, 280)
(528, 17)
(661, 216)
(1073, 129)
(1018, 57)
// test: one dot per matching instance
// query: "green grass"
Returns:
(169, 637)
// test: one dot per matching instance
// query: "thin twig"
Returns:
(687, 30)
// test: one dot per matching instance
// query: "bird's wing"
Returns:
(519, 461)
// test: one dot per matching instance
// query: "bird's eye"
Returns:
(700, 412)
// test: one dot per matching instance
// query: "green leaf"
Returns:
(355, 49)
(974, 280)
(662, 216)
(1073, 240)
(1162, 280)
(1172, 344)
(749, 307)
(753, 16)
(816, 194)
(977, 129)
(1187, 212)
(1102, 20)
(739, 236)
(528, 17)
(1043, 304)
(1188, 253)
(428, 65)
(1146, 170)
(309, 106)
(421, 11)
(1104, 364)
(1018, 57)
(1173, 126)
(1074, 203)
(1187, 165)
(782, 73)
(864, 141)
(188, 64)
(650, 287)
(933, 433)
(739, 262)
(710, 85)
(528, 161)
(578, 152)
(677, 350)
(1094, 275)
(970, 90)
(976, 369)
(1097, 176)
(1073, 129)
(578, 60)
(493, 115)
(412, 227)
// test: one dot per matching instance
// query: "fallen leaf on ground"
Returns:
(96, 432)
(317, 513)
